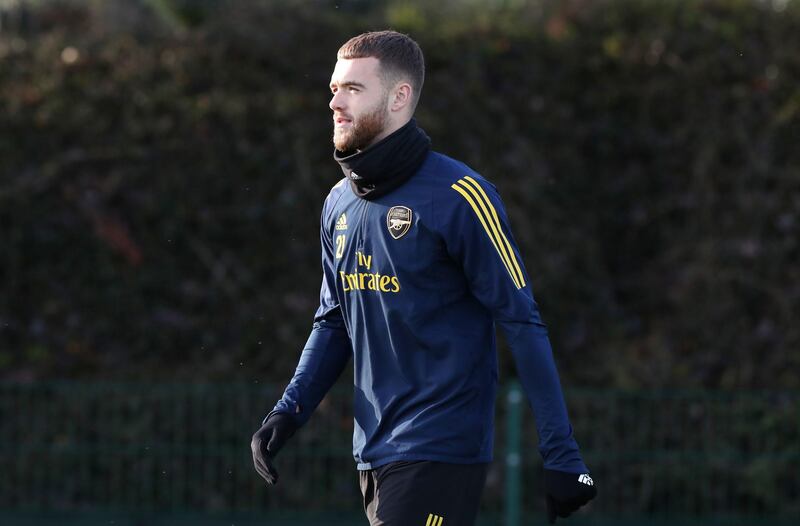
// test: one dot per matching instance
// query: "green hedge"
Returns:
(164, 165)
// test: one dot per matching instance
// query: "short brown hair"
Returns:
(400, 56)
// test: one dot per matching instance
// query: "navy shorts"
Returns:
(423, 493)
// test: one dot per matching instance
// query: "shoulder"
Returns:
(447, 173)
(456, 185)
(458, 192)
(334, 195)
(338, 188)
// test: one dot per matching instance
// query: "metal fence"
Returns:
(97, 453)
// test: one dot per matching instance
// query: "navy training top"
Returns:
(413, 283)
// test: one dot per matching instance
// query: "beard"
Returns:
(363, 130)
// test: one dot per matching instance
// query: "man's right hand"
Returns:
(267, 441)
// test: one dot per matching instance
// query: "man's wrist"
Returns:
(280, 412)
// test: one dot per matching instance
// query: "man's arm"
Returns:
(322, 361)
(324, 357)
(482, 242)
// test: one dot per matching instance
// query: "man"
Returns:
(418, 264)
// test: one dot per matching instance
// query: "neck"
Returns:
(387, 163)
(390, 129)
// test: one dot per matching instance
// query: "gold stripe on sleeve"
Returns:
(486, 205)
(513, 257)
(430, 519)
(495, 241)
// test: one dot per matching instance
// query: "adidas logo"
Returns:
(586, 479)
(341, 223)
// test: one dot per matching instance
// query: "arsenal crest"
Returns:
(398, 221)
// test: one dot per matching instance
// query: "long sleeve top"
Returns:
(413, 285)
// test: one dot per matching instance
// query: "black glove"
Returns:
(566, 492)
(268, 440)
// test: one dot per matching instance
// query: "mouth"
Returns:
(340, 120)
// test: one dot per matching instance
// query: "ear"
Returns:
(401, 97)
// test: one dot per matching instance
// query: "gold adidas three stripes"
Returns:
(487, 215)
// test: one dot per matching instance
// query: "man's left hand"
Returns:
(566, 492)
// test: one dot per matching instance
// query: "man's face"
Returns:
(360, 103)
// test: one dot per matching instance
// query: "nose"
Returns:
(336, 103)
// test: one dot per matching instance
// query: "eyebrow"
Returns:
(347, 84)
